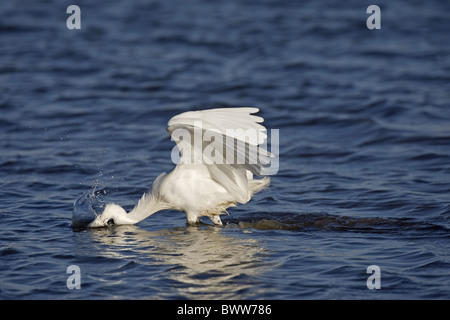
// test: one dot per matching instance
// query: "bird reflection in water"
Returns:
(195, 262)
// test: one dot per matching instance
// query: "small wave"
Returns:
(8, 251)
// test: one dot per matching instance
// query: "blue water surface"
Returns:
(364, 120)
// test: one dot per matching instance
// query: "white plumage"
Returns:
(220, 152)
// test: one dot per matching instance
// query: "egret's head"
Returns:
(113, 214)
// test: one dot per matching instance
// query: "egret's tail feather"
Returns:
(256, 185)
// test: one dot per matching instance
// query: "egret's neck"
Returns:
(147, 205)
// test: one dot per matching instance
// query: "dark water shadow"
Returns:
(327, 222)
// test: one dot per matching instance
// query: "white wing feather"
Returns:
(236, 131)
(230, 127)
(226, 121)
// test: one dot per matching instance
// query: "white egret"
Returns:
(221, 150)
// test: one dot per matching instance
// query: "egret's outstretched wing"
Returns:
(227, 121)
(229, 141)
(231, 136)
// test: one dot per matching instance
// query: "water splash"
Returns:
(88, 205)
